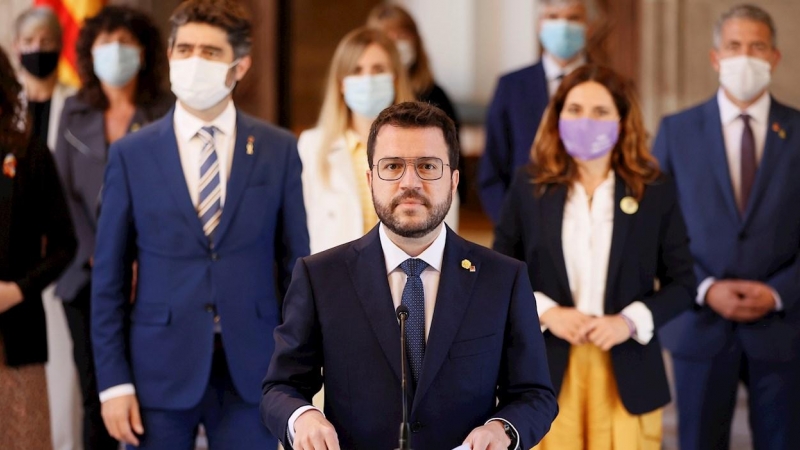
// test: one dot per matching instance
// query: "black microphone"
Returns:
(405, 429)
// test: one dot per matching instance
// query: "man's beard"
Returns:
(436, 214)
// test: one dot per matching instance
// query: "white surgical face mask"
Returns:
(744, 77)
(368, 95)
(116, 64)
(200, 83)
(408, 54)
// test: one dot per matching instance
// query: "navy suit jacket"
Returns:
(511, 123)
(762, 245)
(484, 344)
(650, 244)
(166, 349)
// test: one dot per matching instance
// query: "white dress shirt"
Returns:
(393, 257)
(586, 233)
(732, 128)
(554, 73)
(189, 148)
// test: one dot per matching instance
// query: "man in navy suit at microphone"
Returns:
(476, 360)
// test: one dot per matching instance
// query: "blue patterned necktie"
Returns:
(414, 299)
(209, 204)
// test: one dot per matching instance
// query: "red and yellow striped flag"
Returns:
(71, 14)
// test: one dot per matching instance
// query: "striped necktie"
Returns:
(209, 204)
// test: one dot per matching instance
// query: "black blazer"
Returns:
(32, 208)
(647, 245)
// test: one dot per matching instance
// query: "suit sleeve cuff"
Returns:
(702, 290)
(642, 318)
(515, 443)
(293, 418)
(543, 304)
(778, 301)
(117, 391)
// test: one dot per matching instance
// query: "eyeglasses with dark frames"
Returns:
(427, 168)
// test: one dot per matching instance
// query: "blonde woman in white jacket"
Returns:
(365, 77)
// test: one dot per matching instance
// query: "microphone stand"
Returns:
(405, 443)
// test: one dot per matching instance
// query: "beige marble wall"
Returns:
(9, 10)
(676, 40)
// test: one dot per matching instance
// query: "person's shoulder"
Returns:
(484, 255)
(524, 74)
(334, 257)
(692, 113)
(787, 111)
(74, 104)
(266, 130)
(310, 139)
(149, 136)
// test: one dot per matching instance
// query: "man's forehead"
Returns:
(196, 33)
(733, 28)
(408, 140)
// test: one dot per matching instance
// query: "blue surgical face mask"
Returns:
(368, 95)
(116, 64)
(562, 38)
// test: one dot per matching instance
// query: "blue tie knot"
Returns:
(206, 133)
(413, 267)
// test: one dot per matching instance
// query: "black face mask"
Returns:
(40, 64)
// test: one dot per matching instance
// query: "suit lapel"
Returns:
(90, 137)
(715, 149)
(452, 298)
(241, 167)
(544, 92)
(619, 235)
(169, 162)
(367, 268)
(552, 218)
(773, 150)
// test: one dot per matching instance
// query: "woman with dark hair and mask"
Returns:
(122, 64)
(36, 244)
(597, 223)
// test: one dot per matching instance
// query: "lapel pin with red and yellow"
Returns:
(249, 147)
(776, 127)
(466, 264)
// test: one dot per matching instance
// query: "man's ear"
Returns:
(713, 56)
(245, 62)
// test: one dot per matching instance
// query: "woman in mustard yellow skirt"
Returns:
(599, 228)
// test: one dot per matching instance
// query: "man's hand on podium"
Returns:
(491, 436)
(312, 431)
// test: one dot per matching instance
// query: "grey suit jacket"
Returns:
(81, 153)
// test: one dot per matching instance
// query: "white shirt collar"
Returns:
(552, 70)
(758, 111)
(394, 255)
(187, 125)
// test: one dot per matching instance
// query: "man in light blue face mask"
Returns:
(213, 201)
(735, 159)
(522, 96)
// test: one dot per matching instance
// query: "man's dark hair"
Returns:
(416, 115)
(226, 14)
